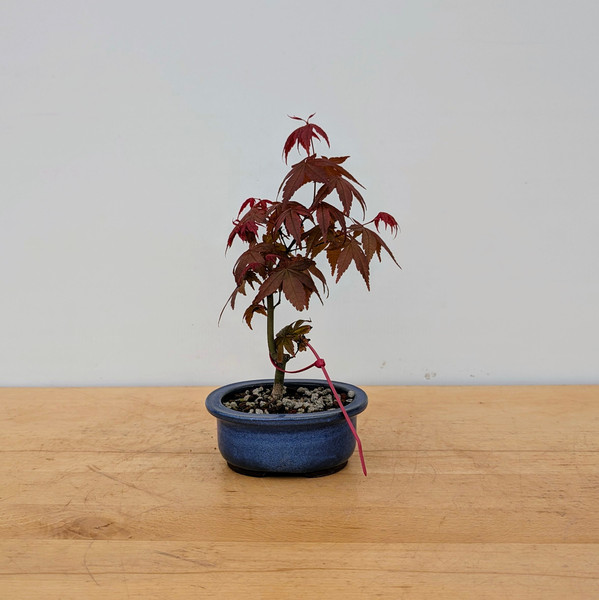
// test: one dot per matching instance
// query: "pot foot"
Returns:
(312, 474)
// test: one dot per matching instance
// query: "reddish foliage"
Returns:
(387, 220)
(285, 236)
(304, 136)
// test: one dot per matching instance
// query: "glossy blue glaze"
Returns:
(285, 444)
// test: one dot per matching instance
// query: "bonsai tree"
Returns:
(287, 237)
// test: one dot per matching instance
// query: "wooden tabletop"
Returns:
(472, 493)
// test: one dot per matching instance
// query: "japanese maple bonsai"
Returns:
(312, 219)
(286, 237)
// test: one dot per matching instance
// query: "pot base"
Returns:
(321, 473)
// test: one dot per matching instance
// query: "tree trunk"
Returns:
(279, 379)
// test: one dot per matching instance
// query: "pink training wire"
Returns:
(319, 362)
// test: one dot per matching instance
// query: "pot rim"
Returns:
(216, 408)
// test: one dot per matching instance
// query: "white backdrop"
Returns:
(132, 130)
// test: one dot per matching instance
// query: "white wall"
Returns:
(132, 130)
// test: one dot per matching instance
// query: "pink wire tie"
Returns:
(319, 362)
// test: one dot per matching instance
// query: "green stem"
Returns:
(279, 378)
(270, 325)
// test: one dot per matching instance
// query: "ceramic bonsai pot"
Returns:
(308, 444)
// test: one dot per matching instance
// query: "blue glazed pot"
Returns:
(308, 444)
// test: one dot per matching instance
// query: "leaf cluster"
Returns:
(285, 238)
(291, 340)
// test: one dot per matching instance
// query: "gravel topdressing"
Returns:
(296, 400)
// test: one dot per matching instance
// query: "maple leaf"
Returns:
(327, 171)
(314, 241)
(314, 270)
(246, 227)
(332, 167)
(372, 242)
(291, 214)
(291, 339)
(340, 180)
(336, 179)
(251, 310)
(346, 192)
(251, 278)
(352, 251)
(336, 241)
(254, 202)
(271, 285)
(297, 288)
(301, 173)
(327, 214)
(246, 230)
(253, 260)
(294, 279)
(303, 137)
(387, 220)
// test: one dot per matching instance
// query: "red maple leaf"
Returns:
(313, 241)
(301, 173)
(372, 242)
(303, 137)
(291, 339)
(254, 202)
(294, 279)
(327, 214)
(246, 227)
(251, 310)
(292, 215)
(352, 251)
(339, 179)
(246, 230)
(328, 172)
(387, 220)
(253, 260)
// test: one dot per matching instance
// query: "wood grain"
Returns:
(473, 492)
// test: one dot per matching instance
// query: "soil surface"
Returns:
(296, 400)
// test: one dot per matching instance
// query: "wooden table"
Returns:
(472, 493)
